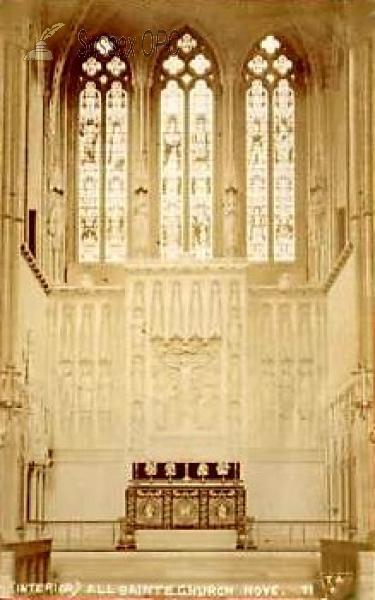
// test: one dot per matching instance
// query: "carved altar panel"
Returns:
(222, 508)
(176, 501)
(149, 508)
(185, 506)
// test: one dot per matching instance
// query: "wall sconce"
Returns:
(363, 402)
(12, 398)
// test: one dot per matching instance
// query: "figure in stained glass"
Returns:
(270, 149)
(90, 133)
(172, 142)
(200, 140)
(186, 162)
(102, 187)
(116, 141)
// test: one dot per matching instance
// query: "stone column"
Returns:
(227, 179)
(140, 202)
(365, 264)
(318, 186)
(13, 130)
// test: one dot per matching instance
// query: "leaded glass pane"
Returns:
(257, 65)
(270, 135)
(173, 65)
(284, 177)
(92, 66)
(187, 43)
(200, 169)
(270, 44)
(257, 172)
(116, 173)
(199, 64)
(186, 78)
(172, 109)
(103, 157)
(89, 153)
(186, 120)
(282, 64)
(116, 66)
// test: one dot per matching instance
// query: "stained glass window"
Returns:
(103, 143)
(186, 108)
(270, 152)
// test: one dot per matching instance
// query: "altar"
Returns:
(184, 496)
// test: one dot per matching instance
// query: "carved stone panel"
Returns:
(185, 387)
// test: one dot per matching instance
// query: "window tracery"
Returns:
(103, 148)
(270, 77)
(186, 132)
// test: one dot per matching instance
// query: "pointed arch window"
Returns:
(186, 81)
(270, 76)
(102, 151)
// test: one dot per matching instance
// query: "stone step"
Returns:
(293, 572)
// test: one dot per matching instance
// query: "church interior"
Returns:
(186, 296)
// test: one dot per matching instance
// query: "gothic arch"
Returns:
(302, 75)
(186, 189)
(205, 37)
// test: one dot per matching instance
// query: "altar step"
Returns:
(292, 571)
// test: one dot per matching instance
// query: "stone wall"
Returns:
(186, 363)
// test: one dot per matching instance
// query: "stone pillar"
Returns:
(9, 200)
(363, 221)
(141, 216)
(231, 242)
(318, 238)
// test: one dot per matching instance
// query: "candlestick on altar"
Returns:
(186, 477)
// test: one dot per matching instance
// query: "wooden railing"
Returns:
(28, 561)
(77, 535)
(260, 535)
(292, 535)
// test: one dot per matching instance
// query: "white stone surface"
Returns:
(186, 540)
(366, 576)
(281, 568)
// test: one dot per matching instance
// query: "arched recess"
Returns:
(56, 235)
(184, 97)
